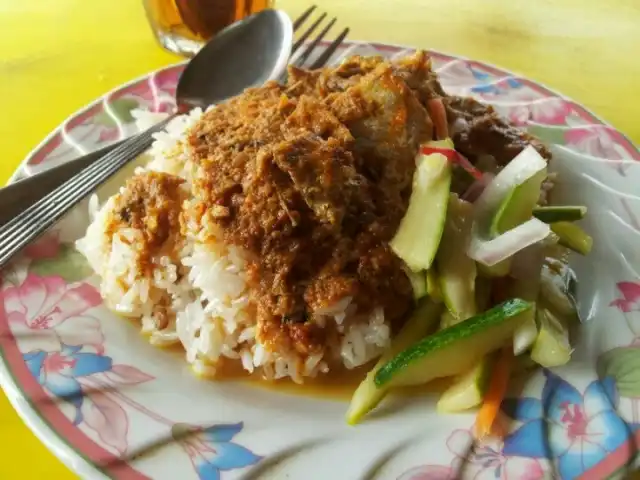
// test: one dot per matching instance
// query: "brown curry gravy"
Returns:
(338, 384)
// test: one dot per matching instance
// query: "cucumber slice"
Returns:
(420, 231)
(526, 334)
(573, 237)
(551, 348)
(518, 205)
(527, 287)
(433, 285)
(418, 283)
(447, 320)
(454, 350)
(457, 270)
(468, 389)
(515, 209)
(559, 213)
(446, 143)
(368, 395)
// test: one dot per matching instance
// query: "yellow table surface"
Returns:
(57, 55)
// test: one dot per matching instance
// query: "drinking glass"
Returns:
(182, 26)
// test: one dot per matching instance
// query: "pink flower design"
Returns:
(524, 105)
(485, 460)
(545, 111)
(109, 134)
(46, 247)
(104, 415)
(49, 304)
(630, 300)
(598, 141)
(70, 375)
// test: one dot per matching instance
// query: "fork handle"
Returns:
(28, 225)
(18, 196)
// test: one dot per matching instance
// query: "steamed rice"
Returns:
(197, 294)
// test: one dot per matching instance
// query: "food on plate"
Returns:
(355, 213)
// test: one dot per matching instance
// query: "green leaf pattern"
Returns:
(68, 264)
(120, 109)
(623, 364)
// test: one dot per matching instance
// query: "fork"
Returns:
(73, 185)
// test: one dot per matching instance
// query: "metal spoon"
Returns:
(245, 54)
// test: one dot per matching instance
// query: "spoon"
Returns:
(245, 54)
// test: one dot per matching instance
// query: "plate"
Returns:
(110, 405)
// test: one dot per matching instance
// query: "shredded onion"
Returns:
(491, 251)
(474, 191)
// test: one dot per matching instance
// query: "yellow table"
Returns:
(57, 55)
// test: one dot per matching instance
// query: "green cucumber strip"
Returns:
(551, 348)
(418, 283)
(368, 395)
(454, 350)
(515, 209)
(433, 285)
(418, 237)
(572, 236)
(553, 214)
(518, 205)
(467, 390)
(457, 271)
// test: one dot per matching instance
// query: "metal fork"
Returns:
(66, 185)
(298, 60)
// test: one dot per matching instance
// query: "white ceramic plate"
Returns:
(109, 404)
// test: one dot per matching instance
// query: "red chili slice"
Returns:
(455, 158)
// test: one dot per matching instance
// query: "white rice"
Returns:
(197, 294)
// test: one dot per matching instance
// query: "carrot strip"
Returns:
(438, 114)
(495, 393)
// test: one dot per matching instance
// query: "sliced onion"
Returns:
(524, 166)
(474, 191)
(490, 251)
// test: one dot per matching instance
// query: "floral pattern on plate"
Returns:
(104, 401)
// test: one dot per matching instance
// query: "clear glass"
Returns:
(182, 26)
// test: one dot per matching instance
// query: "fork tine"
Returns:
(298, 62)
(326, 55)
(306, 34)
(302, 18)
